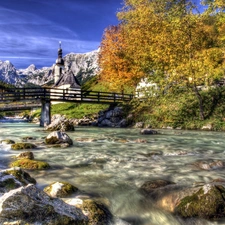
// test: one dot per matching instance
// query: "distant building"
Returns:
(146, 88)
(63, 79)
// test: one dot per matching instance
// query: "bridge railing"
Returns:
(18, 94)
(62, 95)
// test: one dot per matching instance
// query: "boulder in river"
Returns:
(8, 182)
(150, 186)
(97, 213)
(21, 175)
(22, 145)
(60, 189)
(7, 142)
(208, 202)
(148, 131)
(200, 201)
(30, 164)
(29, 205)
(210, 164)
(23, 203)
(58, 137)
(25, 155)
(60, 123)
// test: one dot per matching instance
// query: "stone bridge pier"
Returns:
(45, 113)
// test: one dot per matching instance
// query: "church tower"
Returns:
(59, 66)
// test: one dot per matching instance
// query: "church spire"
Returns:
(60, 50)
(60, 60)
(59, 64)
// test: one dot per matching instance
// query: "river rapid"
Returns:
(113, 163)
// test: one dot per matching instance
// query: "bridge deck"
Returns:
(60, 95)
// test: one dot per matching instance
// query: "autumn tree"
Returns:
(116, 68)
(174, 44)
(168, 41)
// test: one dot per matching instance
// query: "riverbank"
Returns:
(174, 110)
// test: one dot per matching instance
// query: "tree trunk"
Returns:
(200, 103)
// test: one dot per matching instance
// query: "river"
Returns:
(114, 163)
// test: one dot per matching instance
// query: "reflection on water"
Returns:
(114, 163)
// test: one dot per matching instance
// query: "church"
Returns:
(64, 79)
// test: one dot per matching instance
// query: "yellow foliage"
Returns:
(165, 40)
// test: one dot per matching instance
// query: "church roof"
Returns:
(68, 78)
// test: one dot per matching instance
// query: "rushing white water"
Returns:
(114, 163)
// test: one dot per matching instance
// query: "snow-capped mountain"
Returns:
(8, 72)
(32, 75)
(83, 66)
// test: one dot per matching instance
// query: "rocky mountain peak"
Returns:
(8, 72)
(32, 67)
(83, 66)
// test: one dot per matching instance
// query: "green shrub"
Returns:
(181, 109)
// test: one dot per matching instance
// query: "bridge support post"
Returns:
(45, 113)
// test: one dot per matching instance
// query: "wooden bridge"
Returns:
(47, 95)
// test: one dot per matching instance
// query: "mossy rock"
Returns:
(58, 137)
(97, 213)
(150, 186)
(30, 164)
(25, 155)
(28, 138)
(208, 202)
(60, 189)
(19, 146)
(21, 175)
(51, 140)
(9, 184)
(8, 142)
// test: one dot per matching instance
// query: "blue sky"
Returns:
(30, 30)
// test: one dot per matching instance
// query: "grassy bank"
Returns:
(74, 110)
(180, 109)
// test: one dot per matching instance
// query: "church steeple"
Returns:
(60, 60)
(59, 64)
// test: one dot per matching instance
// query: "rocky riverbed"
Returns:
(22, 202)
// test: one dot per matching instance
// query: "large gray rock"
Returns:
(151, 185)
(31, 205)
(113, 117)
(97, 213)
(58, 137)
(60, 123)
(19, 175)
(201, 201)
(208, 202)
(105, 123)
(13, 178)
(8, 182)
